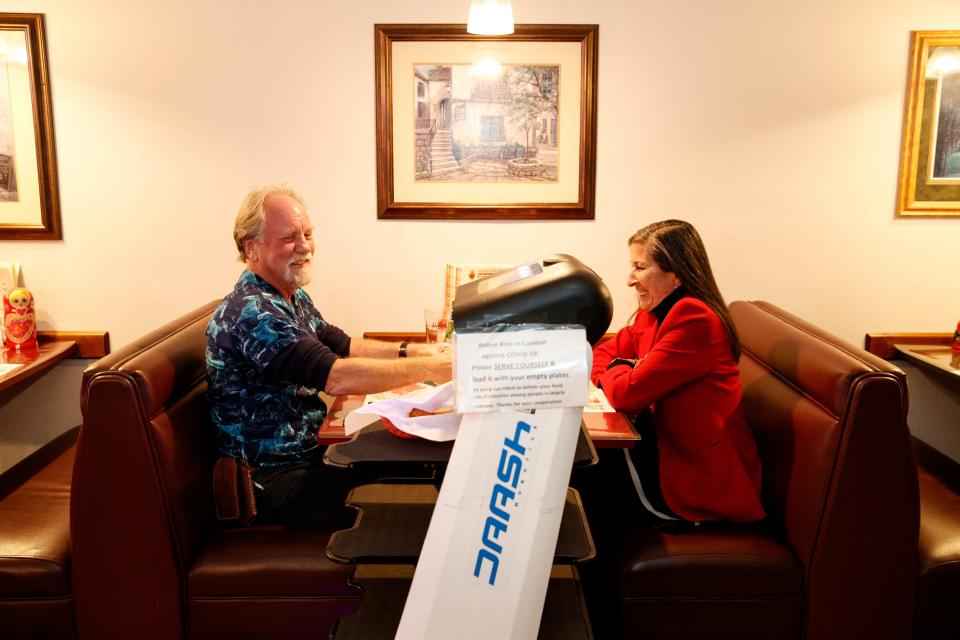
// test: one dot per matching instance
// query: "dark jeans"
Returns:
(646, 461)
(612, 504)
(305, 493)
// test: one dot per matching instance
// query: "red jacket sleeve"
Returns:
(680, 354)
(622, 345)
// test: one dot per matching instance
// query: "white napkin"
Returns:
(439, 428)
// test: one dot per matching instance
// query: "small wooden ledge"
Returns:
(881, 344)
(90, 344)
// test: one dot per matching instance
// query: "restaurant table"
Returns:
(606, 430)
(374, 445)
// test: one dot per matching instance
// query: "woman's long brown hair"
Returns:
(676, 247)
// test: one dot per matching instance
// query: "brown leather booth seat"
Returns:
(837, 555)
(149, 559)
(938, 591)
(36, 600)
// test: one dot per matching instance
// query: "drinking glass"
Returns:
(432, 323)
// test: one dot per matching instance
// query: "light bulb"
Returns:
(490, 18)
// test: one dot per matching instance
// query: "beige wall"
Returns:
(773, 126)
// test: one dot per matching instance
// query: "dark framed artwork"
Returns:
(486, 127)
(29, 196)
(929, 183)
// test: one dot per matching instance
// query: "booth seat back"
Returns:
(142, 500)
(840, 482)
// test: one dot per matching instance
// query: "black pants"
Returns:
(612, 505)
(645, 460)
(305, 493)
(608, 490)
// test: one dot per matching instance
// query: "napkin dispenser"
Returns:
(557, 289)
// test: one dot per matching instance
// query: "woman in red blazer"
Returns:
(675, 368)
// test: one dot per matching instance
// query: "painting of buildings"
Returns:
(8, 176)
(946, 150)
(493, 124)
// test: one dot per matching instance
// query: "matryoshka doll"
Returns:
(19, 320)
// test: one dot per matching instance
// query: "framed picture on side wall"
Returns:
(486, 127)
(29, 196)
(929, 182)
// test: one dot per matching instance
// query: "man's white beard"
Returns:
(299, 275)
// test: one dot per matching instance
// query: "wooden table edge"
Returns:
(48, 353)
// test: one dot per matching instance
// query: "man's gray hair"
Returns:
(252, 219)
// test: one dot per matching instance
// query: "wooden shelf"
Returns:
(885, 344)
(930, 352)
(33, 362)
(90, 344)
(934, 356)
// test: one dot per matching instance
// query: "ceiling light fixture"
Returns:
(490, 18)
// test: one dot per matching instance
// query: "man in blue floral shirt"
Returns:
(269, 352)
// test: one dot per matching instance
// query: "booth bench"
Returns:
(149, 560)
(36, 598)
(938, 590)
(129, 546)
(837, 555)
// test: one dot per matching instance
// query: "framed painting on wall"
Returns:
(929, 182)
(486, 127)
(29, 197)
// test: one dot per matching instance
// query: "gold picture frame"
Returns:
(460, 140)
(929, 181)
(29, 195)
